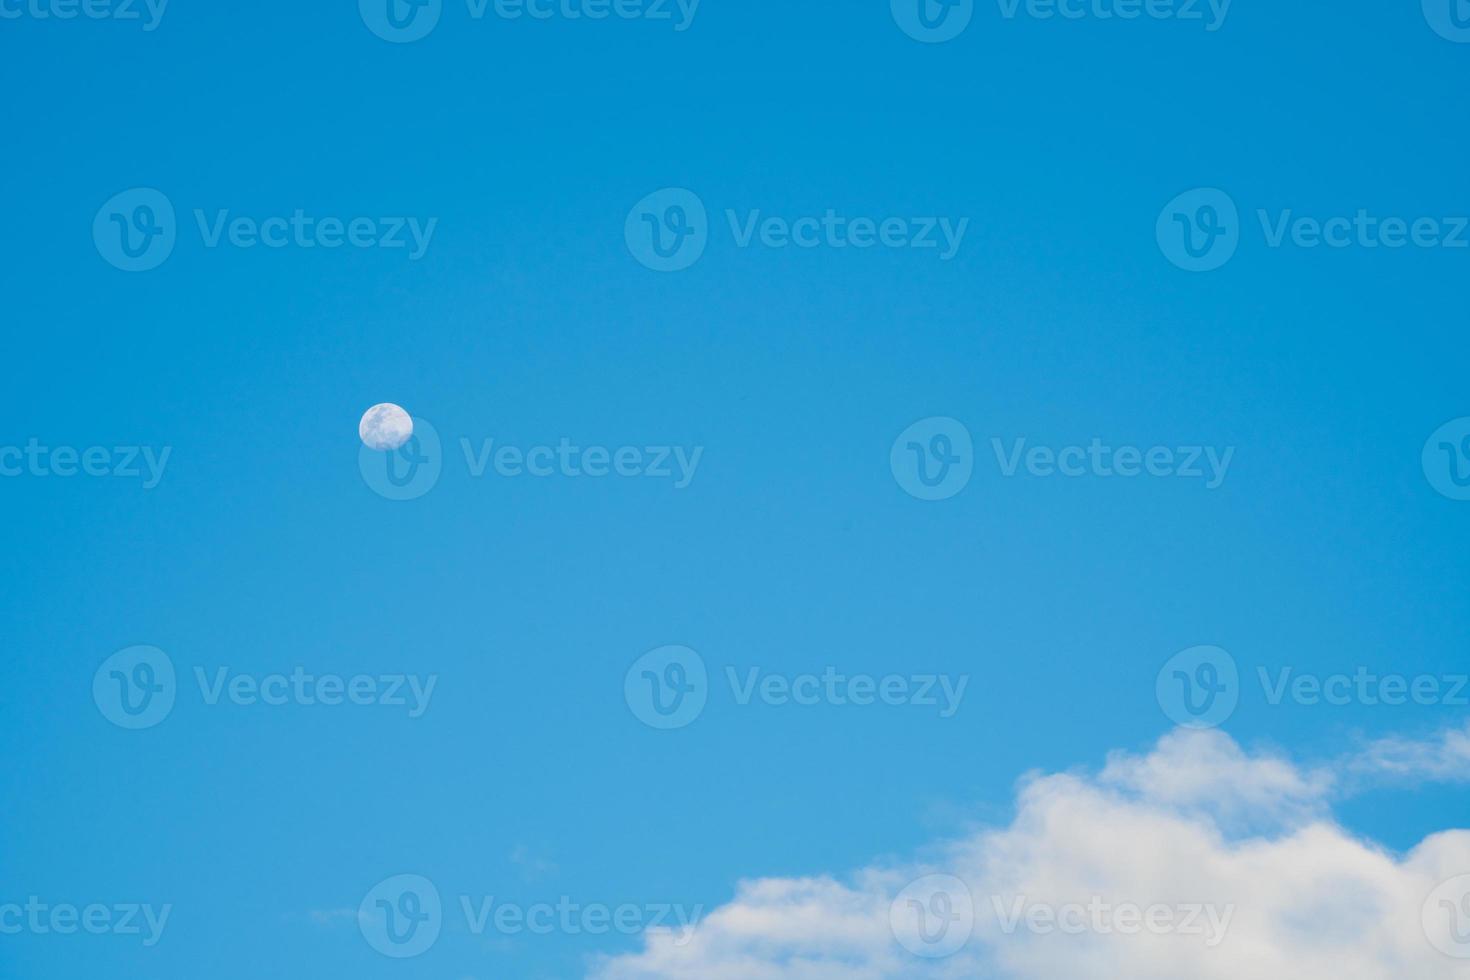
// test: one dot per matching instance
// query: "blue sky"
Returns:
(527, 319)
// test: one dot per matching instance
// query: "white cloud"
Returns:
(1243, 843)
(1445, 758)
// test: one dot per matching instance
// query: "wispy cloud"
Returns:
(1445, 758)
(533, 866)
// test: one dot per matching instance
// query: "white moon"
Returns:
(385, 426)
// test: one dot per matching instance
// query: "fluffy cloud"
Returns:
(1197, 859)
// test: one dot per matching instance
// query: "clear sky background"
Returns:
(794, 548)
